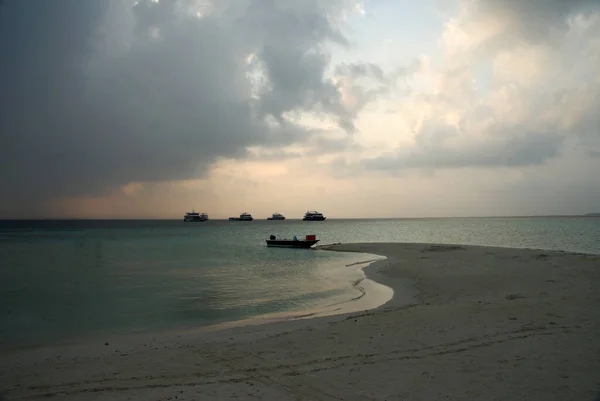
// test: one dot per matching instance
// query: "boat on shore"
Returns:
(276, 216)
(243, 217)
(193, 217)
(313, 215)
(305, 243)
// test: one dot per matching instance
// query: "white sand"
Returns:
(489, 324)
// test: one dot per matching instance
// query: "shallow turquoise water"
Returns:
(68, 279)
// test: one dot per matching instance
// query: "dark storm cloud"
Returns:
(293, 59)
(99, 93)
(74, 122)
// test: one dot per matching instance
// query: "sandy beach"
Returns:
(465, 323)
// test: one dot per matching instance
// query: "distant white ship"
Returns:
(313, 215)
(191, 217)
(276, 216)
(243, 217)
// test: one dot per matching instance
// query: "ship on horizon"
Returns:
(192, 217)
(243, 217)
(276, 216)
(313, 215)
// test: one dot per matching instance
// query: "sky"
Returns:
(355, 108)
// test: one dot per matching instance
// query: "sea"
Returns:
(67, 280)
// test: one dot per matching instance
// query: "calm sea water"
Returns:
(68, 279)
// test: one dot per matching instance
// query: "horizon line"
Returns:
(298, 219)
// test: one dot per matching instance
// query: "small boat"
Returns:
(276, 216)
(192, 217)
(313, 215)
(243, 217)
(305, 243)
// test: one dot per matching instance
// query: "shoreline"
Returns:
(490, 323)
(375, 295)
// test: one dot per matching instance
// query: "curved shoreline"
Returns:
(404, 290)
(491, 323)
(378, 294)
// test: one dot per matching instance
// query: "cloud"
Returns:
(287, 45)
(504, 149)
(106, 98)
(518, 83)
(98, 94)
(488, 26)
(361, 83)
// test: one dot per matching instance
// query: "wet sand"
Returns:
(465, 323)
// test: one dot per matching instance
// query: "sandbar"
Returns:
(474, 323)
